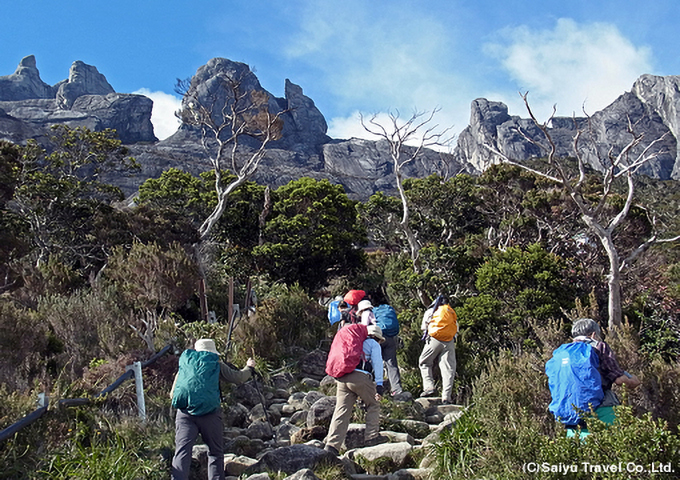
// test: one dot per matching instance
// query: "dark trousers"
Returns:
(389, 355)
(187, 428)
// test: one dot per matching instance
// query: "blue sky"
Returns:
(356, 56)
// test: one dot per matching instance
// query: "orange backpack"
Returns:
(444, 324)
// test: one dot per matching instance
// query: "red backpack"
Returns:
(353, 297)
(347, 350)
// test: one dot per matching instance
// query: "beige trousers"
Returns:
(351, 386)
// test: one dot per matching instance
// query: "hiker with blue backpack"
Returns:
(581, 375)
(386, 318)
(365, 313)
(196, 396)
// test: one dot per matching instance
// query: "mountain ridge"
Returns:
(28, 106)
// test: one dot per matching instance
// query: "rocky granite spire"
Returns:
(82, 80)
(652, 106)
(28, 106)
(24, 83)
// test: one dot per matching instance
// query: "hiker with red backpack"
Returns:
(581, 375)
(351, 303)
(355, 361)
(439, 326)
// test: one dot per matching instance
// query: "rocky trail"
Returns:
(285, 441)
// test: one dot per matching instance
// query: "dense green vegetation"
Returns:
(90, 285)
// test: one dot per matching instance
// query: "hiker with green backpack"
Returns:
(439, 326)
(196, 396)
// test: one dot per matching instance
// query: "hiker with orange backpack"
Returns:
(439, 326)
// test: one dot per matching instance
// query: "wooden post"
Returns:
(203, 299)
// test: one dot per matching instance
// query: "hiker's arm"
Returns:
(377, 362)
(231, 375)
(629, 380)
(427, 316)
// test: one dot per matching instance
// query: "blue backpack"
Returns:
(574, 380)
(334, 314)
(386, 319)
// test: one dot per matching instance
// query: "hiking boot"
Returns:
(377, 440)
(331, 450)
(429, 393)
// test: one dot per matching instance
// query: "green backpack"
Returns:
(197, 389)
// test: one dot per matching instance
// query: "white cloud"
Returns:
(163, 114)
(573, 66)
(350, 127)
(391, 57)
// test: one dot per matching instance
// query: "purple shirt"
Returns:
(609, 367)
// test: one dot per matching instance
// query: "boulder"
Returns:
(304, 474)
(321, 412)
(291, 459)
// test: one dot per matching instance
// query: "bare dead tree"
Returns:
(225, 115)
(624, 164)
(422, 133)
(236, 126)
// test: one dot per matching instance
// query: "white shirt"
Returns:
(373, 354)
(368, 317)
(427, 316)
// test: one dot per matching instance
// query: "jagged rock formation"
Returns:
(304, 150)
(24, 83)
(652, 106)
(28, 106)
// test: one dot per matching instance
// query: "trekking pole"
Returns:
(259, 392)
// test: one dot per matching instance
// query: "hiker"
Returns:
(357, 383)
(365, 313)
(345, 314)
(581, 375)
(352, 299)
(386, 319)
(196, 396)
(338, 312)
(439, 326)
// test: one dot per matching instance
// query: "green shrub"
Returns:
(101, 455)
(284, 324)
(89, 324)
(24, 346)
(459, 448)
(508, 433)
